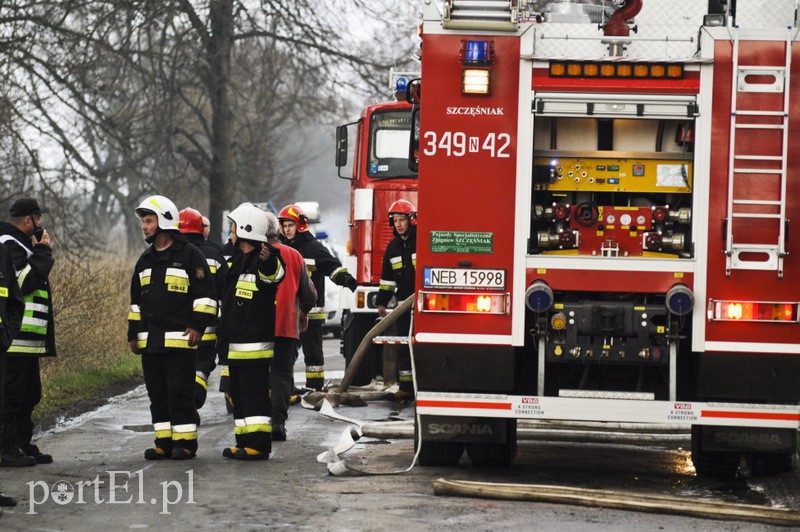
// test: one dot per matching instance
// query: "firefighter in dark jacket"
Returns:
(320, 263)
(397, 278)
(191, 226)
(31, 252)
(173, 300)
(12, 307)
(247, 331)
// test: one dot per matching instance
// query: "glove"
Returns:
(352, 284)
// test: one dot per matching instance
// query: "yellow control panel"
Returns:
(613, 174)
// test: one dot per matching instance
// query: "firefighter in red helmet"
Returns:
(397, 278)
(192, 226)
(320, 264)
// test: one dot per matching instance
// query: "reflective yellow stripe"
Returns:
(184, 432)
(163, 430)
(23, 273)
(178, 340)
(198, 379)
(3, 291)
(274, 277)
(207, 337)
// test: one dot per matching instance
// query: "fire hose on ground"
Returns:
(529, 492)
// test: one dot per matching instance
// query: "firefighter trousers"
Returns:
(205, 362)
(169, 379)
(311, 340)
(23, 391)
(281, 378)
(252, 406)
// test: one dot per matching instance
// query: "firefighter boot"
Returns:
(156, 453)
(40, 457)
(248, 453)
(278, 432)
(10, 453)
(200, 389)
(7, 500)
(181, 453)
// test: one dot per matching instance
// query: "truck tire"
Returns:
(495, 454)
(354, 327)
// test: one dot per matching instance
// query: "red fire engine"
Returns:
(604, 224)
(380, 176)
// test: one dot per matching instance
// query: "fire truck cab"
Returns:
(604, 210)
(380, 175)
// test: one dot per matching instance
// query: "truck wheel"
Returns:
(495, 454)
(354, 327)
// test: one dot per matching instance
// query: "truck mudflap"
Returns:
(463, 429)
(747, 439)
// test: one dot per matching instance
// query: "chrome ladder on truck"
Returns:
(743, 206)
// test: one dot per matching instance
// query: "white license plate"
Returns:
(464, 278)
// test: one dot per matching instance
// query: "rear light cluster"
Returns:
(455, 302)
(753, 311)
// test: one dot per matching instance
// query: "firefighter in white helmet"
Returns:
(246, 333)
(173, 300)
(397, 278)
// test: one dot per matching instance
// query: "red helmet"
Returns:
(191, 221)
(293, 213)
(405, 207)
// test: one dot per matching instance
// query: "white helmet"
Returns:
(251, 222)
(164, 209)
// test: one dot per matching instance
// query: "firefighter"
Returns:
(12, 307)
(320, 263)
(191, 226)
(173, 300)
(247, 330)
(32, 255)
(397, 278)
(295, 299)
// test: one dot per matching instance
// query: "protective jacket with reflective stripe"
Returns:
(399, 266)
(320, 264)
(246, 333)
(218, 267)
(171, 290)
(32, 265)
(12, 306)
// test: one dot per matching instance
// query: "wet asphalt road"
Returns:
(99, 479)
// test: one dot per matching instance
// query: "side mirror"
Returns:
(413, 141)
(341, 150)
(414, 92)
(341, 146)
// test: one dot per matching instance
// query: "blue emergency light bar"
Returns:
(477, 53)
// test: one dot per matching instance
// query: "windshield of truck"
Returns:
(389, 134)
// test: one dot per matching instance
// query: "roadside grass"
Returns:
(90, 304)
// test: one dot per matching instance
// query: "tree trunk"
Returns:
(219, 62)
